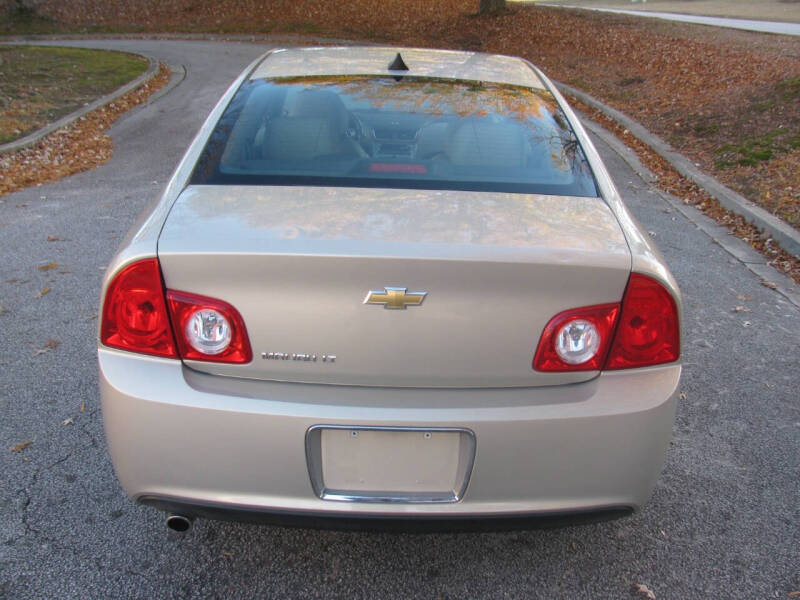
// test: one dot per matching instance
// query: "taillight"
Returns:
(134, 312)
(577, 339)
(643, 331)
(208, 329)
(136, 318)
(648, 332)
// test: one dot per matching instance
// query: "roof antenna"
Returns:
(398, 65)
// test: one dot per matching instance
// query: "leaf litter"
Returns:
(644, 591)
(18, 448)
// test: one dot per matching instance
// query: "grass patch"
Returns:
(39, 85)
(754, 150)
(789, 88)
(706, 129)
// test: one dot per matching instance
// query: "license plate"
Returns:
(390, 465)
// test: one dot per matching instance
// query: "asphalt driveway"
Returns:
(723, 522)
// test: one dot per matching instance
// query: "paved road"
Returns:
(723, 522)
(746, 24)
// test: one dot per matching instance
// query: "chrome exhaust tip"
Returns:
(179, 523)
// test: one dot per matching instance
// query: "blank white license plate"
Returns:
(384, 465)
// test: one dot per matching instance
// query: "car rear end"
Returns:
(389, 296)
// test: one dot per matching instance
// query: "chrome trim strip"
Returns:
(314, 461)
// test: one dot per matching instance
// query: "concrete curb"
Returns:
(31, 139)
(177, 77)
(785, 235)
(752, 260)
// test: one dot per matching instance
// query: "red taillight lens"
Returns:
(602, 317)
(208, 329)
(648, 332)
(134, 313)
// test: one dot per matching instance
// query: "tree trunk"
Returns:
(491, 6)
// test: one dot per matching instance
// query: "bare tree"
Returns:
(491, 6)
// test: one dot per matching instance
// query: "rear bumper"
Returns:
(219, 447)
(393, 523)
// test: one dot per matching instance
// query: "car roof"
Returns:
(372, 60)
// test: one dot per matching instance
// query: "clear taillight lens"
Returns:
(134, 313)
(208, 329)
(577, 342)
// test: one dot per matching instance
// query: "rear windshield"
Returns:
(408, 132)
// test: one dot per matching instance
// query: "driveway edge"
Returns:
(785, 235)
(32, 138)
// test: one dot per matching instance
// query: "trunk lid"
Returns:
(298, 263)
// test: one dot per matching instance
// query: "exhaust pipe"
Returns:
(179, 523)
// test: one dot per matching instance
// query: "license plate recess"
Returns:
(389, 464)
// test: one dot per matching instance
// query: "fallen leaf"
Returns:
(43, 292)
(55, 238)
(68, 421)
(645, 591)
(83, 406)
(50, 344)
(769, 284)
(682, 395)
(48, 266)
(741, 309)
(744, 297)
(20, 447)
(794, 594)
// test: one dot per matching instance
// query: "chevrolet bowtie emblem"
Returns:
(395, 297)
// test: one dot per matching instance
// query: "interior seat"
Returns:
(313, 124)
(483, 142)
(298, 138)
